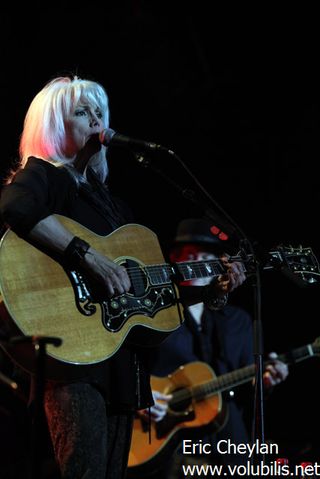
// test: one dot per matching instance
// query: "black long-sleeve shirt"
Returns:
(40, 190)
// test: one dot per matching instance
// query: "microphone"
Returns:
(109, 137)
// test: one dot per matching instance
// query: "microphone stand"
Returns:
(229, 226)
(39, 343)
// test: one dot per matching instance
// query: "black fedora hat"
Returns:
(200, 231)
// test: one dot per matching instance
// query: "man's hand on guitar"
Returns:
(160, 407)
(275, 372)
(232, 279)
(215, 295)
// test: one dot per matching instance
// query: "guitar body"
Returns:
(184, 419)
(41, 298)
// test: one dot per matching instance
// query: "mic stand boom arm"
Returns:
(187, 193)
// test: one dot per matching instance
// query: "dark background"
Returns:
(235, 95)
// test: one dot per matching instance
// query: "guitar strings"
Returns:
(214, 386)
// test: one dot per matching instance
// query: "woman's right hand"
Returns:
(112, 277)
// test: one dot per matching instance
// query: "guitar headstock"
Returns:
(316, 346)
(298, 263)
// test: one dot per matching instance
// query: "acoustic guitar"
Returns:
(196, 406)
(40, 297)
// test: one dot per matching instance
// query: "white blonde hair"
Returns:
(44, 132)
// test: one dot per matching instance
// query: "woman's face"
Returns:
(83, 122)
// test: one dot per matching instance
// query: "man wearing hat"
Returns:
(213, 332)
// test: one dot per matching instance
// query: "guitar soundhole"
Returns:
(182, 401)
(137, 277)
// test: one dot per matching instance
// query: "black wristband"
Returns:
(75, 252)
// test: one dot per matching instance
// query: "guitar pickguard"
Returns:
(82, 294)
(117, 311)
(182, 414)
(143, 299)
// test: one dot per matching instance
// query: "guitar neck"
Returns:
(299, 354)
(187, 270)
(240, 376)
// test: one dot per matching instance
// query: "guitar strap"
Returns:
(204, 348)
(209, 343)
(221, 361)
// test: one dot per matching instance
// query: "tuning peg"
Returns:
(312, 280)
